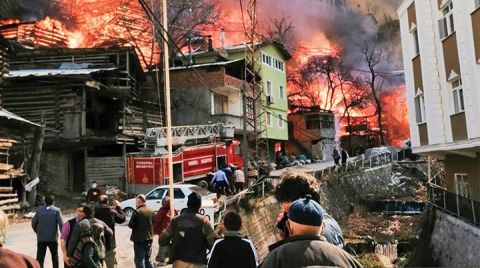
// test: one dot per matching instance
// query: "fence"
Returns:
(355, 165)
(349, 166)
(458, 206)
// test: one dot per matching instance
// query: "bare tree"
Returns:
(354, 97)
(372, 53)
(187, 18)
(281, 30)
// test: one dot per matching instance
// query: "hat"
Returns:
(306, 211)
(194, 200)
(142, 197)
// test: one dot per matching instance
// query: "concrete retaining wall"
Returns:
(259, 225)
(454, 242)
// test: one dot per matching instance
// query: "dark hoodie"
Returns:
(162, 218)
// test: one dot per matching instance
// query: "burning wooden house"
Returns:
(94, 107)
(311, 132)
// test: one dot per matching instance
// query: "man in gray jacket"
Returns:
(46, 223)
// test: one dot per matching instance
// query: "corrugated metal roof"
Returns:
(54, 72)
(11, 116)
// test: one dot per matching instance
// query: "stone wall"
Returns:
(259, 224)
(454, 242)
(54, 172)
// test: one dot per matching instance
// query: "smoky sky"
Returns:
(350, 27)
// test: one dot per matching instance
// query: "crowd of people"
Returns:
(310, 237)
(228, 180)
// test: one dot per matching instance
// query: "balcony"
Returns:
(236, 121)
(228, 85)
(458, 206)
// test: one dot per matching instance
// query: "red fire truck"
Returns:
(197, 151)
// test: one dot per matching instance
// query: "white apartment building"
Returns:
(441, 52)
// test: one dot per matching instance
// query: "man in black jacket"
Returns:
(191, 235)
(110, 216)
(232, 250)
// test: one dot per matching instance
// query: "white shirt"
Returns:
(239, 176)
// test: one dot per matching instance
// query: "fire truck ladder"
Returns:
(181, 134)
(253, 93)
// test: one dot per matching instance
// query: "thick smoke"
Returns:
(347, 25)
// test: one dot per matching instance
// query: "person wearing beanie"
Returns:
(306, 246)
(295, 185)
(141, 224)
(190, 234)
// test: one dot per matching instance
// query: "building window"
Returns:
(315, 121)
(458, 104)
(278, 64)
(220, 105)
(416, 47)
(282, 92)
(273, 62)
(267, 59)
(268, 91)
(462, 187)
(420, 107)
(446, 24)
(312, 121)
(269, 119)
(281, 122)
(326, 121)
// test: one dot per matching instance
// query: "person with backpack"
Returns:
(109, 215)
(233, 250)
(86, 247)
(67, 230)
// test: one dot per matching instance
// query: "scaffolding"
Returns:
(253, 97)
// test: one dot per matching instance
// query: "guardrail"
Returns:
(355, 165)
(349, 166)
(458, 206)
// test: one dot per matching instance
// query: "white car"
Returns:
(180, 195)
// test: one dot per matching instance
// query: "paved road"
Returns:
(22, 239)
(308, 168)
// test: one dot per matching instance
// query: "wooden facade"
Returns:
(95, 110)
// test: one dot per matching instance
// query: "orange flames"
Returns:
(95, 23)
(103, 23)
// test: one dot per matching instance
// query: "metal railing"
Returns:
(350, 166)
(355, 165)
(458, 206)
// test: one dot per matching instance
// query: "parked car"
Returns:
(180, 195)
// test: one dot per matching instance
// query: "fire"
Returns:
(396, 115)
(94, 24)
(103, 23)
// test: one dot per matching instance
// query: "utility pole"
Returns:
(167, 103)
